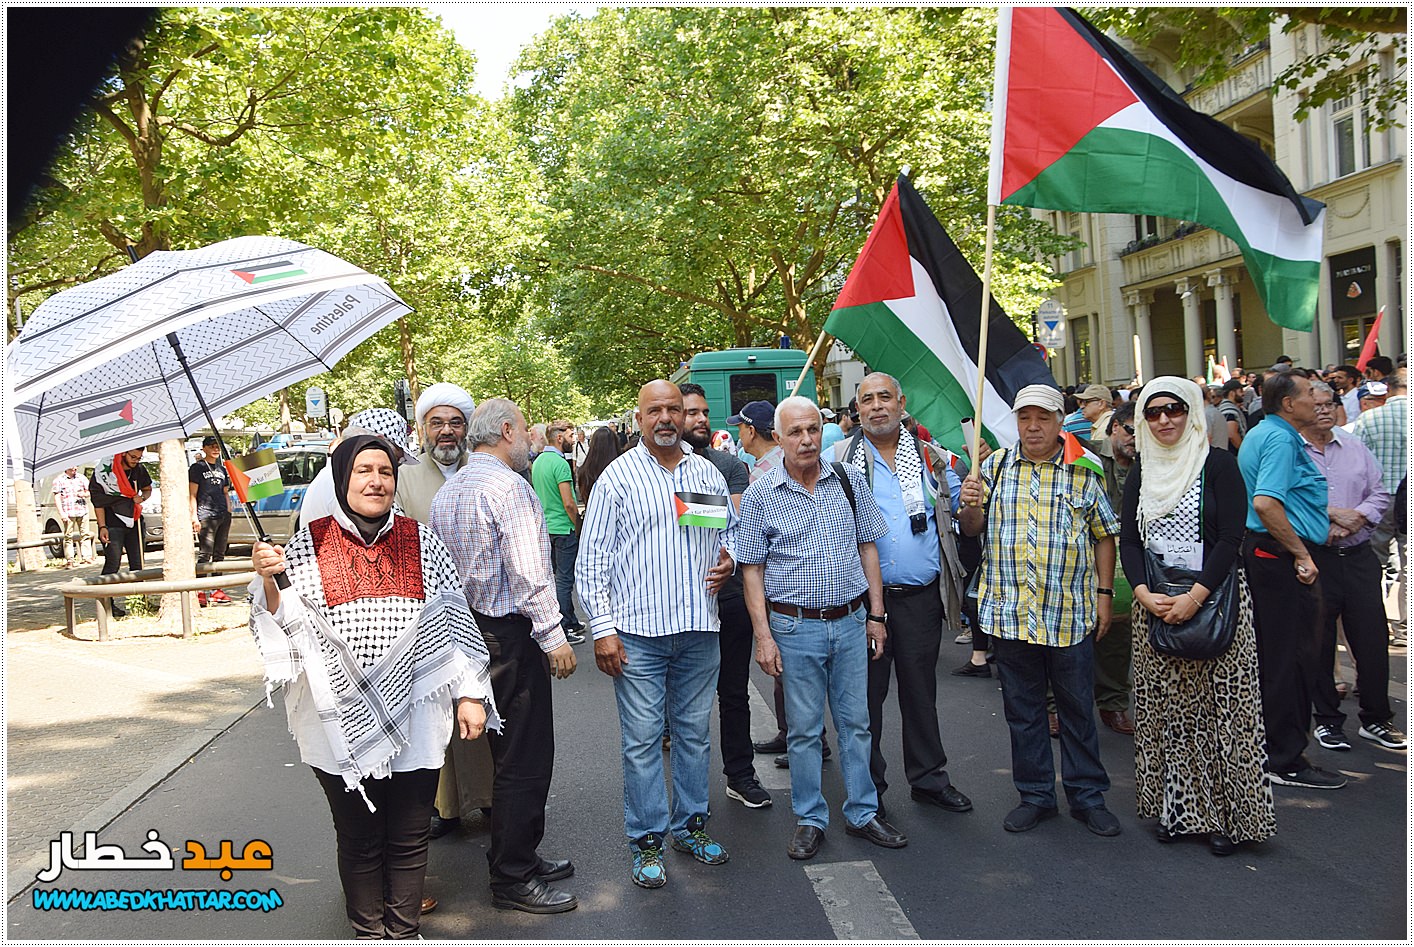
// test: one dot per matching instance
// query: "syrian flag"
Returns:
(255, 476)
(701, 509)
(911, 307)
(1078, 124)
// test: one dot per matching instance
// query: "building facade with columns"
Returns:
(1147, 296)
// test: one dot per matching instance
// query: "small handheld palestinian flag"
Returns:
(255, 475)
(701, 509)
(1079, 456)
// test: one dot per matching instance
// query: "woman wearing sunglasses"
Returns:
(1199, 742)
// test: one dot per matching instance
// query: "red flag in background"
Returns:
(1372, 341)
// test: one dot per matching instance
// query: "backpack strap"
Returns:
(848, 487)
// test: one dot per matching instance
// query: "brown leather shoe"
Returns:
(429, 905)
(1054, 722)
(1118, 721)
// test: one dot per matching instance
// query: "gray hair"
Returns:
(488, 419)
(1322, 387)
(898, 389)
(795, 402)
(1399, 379)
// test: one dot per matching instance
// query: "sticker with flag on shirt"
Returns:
(255, 476)
(1078, 456)
(269, 272)
(110, 417)
(701, 509)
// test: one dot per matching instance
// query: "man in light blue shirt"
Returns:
(921, 573)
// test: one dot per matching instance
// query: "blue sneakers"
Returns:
(648, 870)
(699, 844)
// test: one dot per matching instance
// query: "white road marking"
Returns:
(857, 903)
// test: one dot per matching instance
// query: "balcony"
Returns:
(1192, 246)
(1251, 74)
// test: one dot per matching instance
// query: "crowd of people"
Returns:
(418, 617)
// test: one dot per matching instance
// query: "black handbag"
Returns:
(1209, 633)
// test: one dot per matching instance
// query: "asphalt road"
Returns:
(1336, 871)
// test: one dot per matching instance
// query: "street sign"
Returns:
(315, 404)
(1050, 324)
(1045, 353)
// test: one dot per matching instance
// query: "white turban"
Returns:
(444, 393)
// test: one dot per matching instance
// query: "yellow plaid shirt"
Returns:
(1038, 574)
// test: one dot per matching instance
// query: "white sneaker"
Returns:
(1385, 734)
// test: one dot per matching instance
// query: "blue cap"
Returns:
(759, 414)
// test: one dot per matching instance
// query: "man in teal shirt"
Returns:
(1286, 517)
(554, 484)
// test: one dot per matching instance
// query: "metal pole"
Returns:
(282, 580)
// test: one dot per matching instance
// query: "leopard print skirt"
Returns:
(1199, 743)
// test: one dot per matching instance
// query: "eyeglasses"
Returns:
(1325, 405)
(1175, 410)
(455, 424)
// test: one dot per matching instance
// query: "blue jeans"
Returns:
(563, 552)
(1025, 669)
(676, 674)
(822, 659)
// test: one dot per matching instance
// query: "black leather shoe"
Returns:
(534, 897)
(441, 826)
(879, 832)
(1164, 835)
(805, 842)
(554, 869)
(778, 745)
(946, 798)
(1221, 845)
(1026, 817)
(973, 670)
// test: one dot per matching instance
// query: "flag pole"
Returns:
(982, 335)
(810, 360)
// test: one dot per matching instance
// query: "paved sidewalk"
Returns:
(91, 727)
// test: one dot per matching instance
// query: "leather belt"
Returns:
(825, 614)
(1343, 551)
(910, 589)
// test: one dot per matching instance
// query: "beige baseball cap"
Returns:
(1040, 396)
(1094, 393)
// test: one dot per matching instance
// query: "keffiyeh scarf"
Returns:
(375, 629)
(918, 491)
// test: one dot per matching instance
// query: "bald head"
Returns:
(660, 415)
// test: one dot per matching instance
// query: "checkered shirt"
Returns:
(1385, 430)
(491, 522)
(809, 541)
(1038, 574)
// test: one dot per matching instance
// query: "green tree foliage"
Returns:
(1204, 42)
(710, 174)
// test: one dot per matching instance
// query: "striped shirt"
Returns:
(1038, 574)
(809, 541)
(491, 522)
(1385, 430)
(638, 571)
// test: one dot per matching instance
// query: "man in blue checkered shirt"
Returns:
(806, 546)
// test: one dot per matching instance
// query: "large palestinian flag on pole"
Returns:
(1080, 125)
(912, 306)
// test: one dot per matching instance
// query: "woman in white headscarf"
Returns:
(1199, 744)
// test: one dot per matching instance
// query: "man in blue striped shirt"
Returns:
(809, 564)
(655, 549)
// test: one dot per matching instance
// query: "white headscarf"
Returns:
(1169, 471)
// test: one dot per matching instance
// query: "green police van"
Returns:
(733, 377)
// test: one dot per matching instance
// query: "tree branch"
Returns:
(656, 287)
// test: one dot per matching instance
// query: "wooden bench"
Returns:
(210, 575)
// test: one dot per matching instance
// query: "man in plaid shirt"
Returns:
(491, 521)
(1385, 431)
(1050, 536)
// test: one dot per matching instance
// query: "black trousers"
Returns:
(1286, 614)
(121, 538)
(969, 552)
(734, 706)
(915, 631)
(212, 539)
(524, 751)
(1350, 581)
(383, 854)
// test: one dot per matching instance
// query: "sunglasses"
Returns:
(1128, 428)
(1176, 410)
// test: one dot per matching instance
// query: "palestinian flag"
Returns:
(255, 476)
(701, 509)
(1080, 125)
(268, 272)
(110, 417)
(1079, 456)
(911, 307)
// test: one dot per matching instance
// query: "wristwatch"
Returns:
(1109, 592)
(881, 619)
